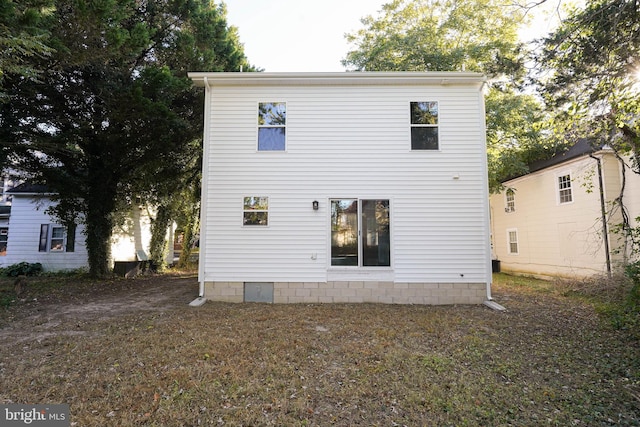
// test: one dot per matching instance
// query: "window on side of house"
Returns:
(424, 125)
(512, 241)
(360, 233)
(56, 238)
(510, 197)
(272, 121)
(565, 194)
(255, 211)
(4, 237)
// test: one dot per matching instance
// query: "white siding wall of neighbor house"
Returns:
(346, 140)
(132, 236)
(27, 215)
(556, 239)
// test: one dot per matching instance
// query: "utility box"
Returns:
(126, 269)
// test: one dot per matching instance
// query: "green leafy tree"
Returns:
(479, 36)
(592, 62)
(23, 38)
(593, 80)
(115, 120)
(419, 35)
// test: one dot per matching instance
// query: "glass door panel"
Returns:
(376, 250)
(344, 232)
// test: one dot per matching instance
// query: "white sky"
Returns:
(297, 35)
(306, 35)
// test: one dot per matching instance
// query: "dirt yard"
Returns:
(64, 312)
(132, 352)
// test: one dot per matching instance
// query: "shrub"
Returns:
(23, 269)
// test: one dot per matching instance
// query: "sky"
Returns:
(303, 35)
(297, 35)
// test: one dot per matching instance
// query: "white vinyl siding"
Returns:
(342, 142)
(557, 239)
(25, 226)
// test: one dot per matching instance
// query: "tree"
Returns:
(115, 119)
(592, 62)
(479, 36)
(593, 73)
(22, 39)
(516, 135)
(419, 35)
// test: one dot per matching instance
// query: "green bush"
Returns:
(23, 269)
(625, 313)
(632, 271)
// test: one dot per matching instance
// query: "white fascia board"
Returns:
(337, 78)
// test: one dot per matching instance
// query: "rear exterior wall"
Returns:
(346, 142)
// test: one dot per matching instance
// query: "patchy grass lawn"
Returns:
(131, 352)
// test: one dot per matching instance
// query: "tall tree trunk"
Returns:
(99, 221)
(99, 228)
(158, 245)
(191, 228)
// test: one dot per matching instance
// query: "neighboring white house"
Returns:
(33, 236)
(344, 187)
(550, 221)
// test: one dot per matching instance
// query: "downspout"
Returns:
(204, 192)
(603, 213)
(487, 215)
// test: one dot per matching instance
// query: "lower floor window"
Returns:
(255, 211)
(513, 241)
(4, 237)
(360, 234)
(56, 238)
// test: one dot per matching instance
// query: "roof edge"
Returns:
(203, 79)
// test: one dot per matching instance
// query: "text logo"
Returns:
(34, 415)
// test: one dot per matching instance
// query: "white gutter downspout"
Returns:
(603, 215)
(485, 171)
(203, 190)
(203, 200)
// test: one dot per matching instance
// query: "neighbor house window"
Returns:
(272, 120)
(510, 196)
(4, 237)
(56, 238)
(255, 211)
(360, 234)
(564, 189)
(424, 125)
(512, 237)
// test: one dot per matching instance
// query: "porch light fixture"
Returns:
(315, 205)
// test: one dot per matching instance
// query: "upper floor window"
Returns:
(255, 211)
(565, 194)
(510, 197)
(272, 120)
(424, 125)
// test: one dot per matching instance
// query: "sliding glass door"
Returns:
(360, 233)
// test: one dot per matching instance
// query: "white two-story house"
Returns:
(344, 187)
